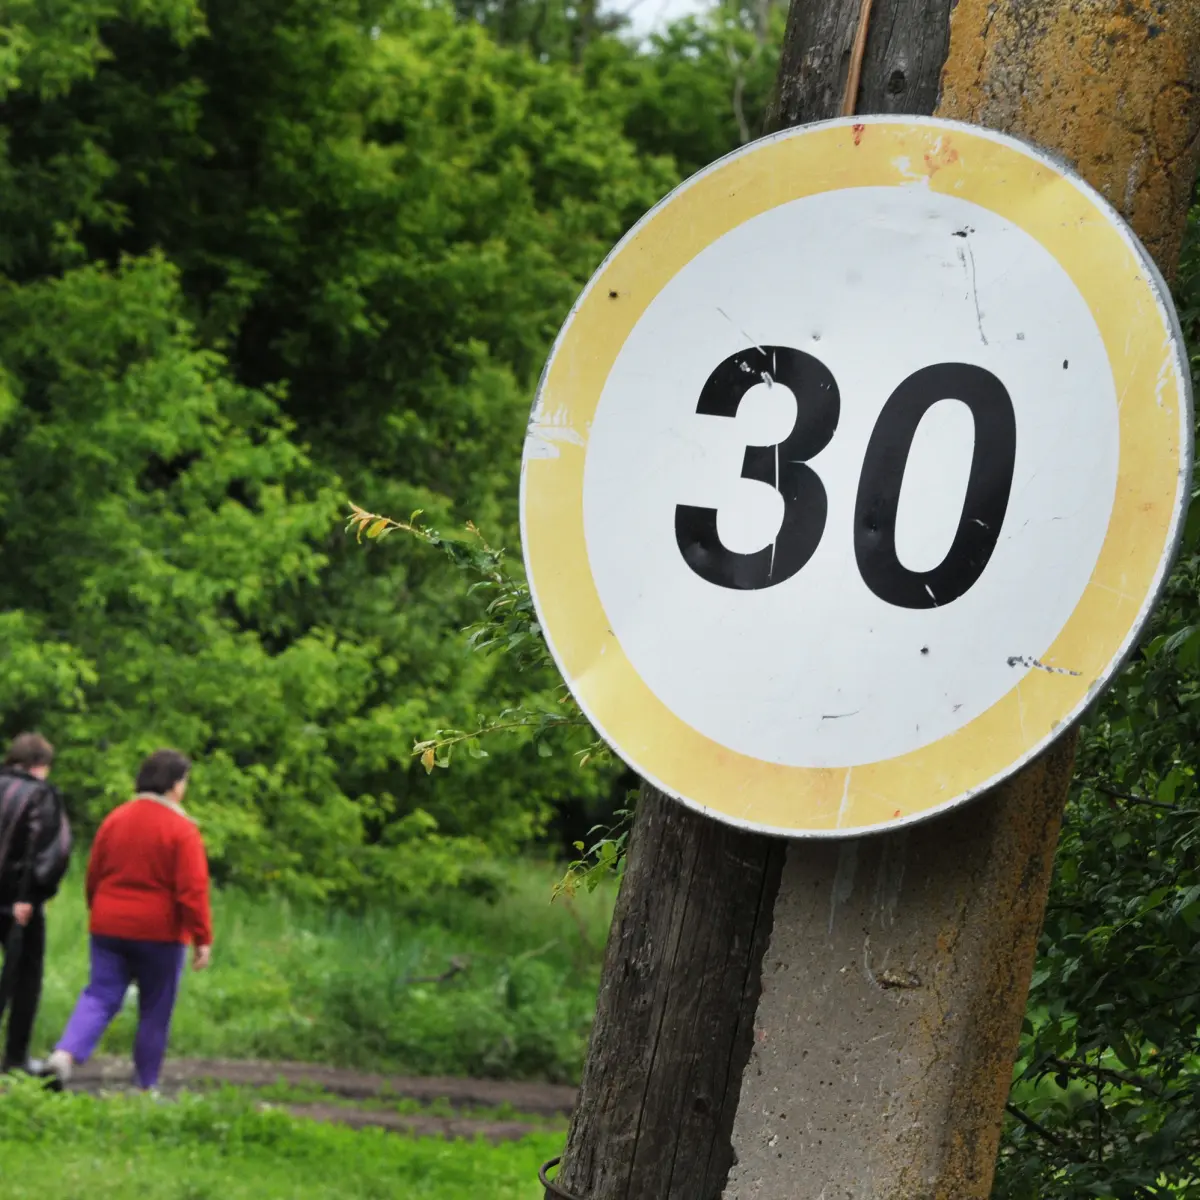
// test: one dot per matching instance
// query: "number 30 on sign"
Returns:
(855, 472)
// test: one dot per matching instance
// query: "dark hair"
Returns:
(162, 770)
(29, 750)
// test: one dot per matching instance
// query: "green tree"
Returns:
(553, 30)
(256, 257)
(699, 89)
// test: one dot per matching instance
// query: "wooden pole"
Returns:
(840, 1019)
(675, 1013)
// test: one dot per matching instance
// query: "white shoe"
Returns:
(60, 1064)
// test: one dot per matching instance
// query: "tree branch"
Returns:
(457, 966)
(1117, 794)
(1074, 1067)
(1030, 1123)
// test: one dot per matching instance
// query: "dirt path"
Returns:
(552, 1103)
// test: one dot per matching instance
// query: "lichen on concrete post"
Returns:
(1110, 86)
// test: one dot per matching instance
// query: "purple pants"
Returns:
(116, 962)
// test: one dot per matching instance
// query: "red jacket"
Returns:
(147, 876)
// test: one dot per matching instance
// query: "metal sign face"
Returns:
(855, 472)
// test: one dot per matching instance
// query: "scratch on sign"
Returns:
(740, 330)
(547, 428)
(1025, 661)
(963, 258)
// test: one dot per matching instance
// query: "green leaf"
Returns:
(1125, 1054)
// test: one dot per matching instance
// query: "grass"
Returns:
(223, 1147)
(318, 986)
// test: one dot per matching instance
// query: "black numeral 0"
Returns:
(782, 466)
(987, 488)
(785, 468)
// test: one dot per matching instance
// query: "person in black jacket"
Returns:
(35, 849)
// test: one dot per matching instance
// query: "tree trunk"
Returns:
(676, 1008)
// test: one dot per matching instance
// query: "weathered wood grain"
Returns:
(676, 1009)
(906, 47)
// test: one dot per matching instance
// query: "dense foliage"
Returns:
(256, 257)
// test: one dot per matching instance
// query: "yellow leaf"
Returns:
(377, 527)
(427, 760)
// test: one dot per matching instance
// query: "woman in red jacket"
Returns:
(147, 891)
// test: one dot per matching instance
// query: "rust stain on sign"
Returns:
(944, 156)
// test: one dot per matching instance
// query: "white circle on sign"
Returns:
(817, 670)
(855, 473)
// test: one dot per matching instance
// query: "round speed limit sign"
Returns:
(855, 472)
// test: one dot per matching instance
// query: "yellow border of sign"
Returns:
(1126, 296)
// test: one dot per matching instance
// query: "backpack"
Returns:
(32, 867)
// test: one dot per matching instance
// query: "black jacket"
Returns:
(35, 838)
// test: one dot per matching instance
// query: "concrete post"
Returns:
(893, 989)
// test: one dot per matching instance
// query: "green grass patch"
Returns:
(223, 1147)
(320, 986)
